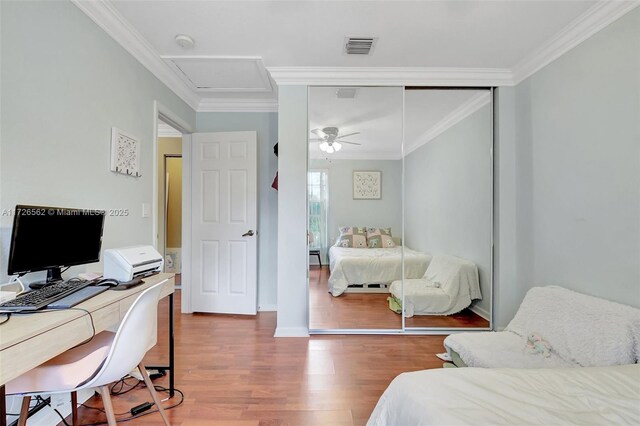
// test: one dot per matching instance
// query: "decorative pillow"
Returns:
(380, 238)
(352, 236)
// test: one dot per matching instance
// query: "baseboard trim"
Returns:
(268, 307)
(479, 311)
(291, 332)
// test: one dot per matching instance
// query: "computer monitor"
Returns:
(50, 238)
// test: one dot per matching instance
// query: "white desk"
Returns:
(27, 341)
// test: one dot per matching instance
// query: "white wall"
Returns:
(65, 83)
(448, 196)
(345, 211)
(293, 317)
(577, 170)
(266, 125)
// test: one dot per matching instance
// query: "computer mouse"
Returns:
(111, 282)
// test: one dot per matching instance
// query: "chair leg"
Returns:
(74, 408)
(24, 411)
(108, 407)
(152, 391)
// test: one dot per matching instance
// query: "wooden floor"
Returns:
(234, 372)
(370, 310)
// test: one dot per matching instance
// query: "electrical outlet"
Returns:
(60, 399)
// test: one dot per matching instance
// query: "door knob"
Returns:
(249, 233)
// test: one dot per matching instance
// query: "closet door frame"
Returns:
(422, 330)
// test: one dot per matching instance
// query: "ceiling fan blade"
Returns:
(319, 133)
(348, 134)
(351, 143)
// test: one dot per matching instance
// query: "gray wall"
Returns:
(266, 124)
(64, 84)
(345, 211)
(448, 196)
(577, 174)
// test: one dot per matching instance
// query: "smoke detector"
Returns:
(184, 41)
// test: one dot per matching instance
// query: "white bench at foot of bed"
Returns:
(368, 288)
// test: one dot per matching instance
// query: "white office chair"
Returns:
(105, 359)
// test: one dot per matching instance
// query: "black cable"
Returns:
(8, 314)
(123, 382)
(146, 413)
(41, 399)
(43, 311)
(101, 410)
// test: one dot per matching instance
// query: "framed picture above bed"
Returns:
(367, 185)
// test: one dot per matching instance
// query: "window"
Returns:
(318, 196)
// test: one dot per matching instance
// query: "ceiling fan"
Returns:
(330, 139)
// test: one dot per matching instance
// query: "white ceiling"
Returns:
(377, 113)
(442, 42)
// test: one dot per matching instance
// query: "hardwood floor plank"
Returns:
(370, 310)
(234, 372)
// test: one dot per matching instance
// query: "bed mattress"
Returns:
(353, 266)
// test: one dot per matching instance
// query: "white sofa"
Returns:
(581, 330)
(448, 286)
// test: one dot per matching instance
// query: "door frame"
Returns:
(164, 194)
(167, 115)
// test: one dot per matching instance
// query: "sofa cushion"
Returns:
(503, 349)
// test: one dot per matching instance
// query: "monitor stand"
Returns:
(54, 275)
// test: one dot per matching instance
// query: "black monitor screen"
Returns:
(51, 237)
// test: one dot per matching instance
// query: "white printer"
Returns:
(127, 263)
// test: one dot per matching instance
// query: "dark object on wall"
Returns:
(274, 184)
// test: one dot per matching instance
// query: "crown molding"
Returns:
(113, 23)
(454, 117)
(237, 105)
(590, 22)
(390, 76)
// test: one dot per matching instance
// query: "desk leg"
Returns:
(172, 365)
(3, 407)
(172, 361)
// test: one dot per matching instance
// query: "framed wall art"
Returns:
(367, 185)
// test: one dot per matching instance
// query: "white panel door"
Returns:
(223, 222)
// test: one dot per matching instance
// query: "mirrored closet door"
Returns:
(400, 201)
(448, 207)
(354, 207)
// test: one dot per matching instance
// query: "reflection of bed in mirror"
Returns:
(371, 270)
(448, 286)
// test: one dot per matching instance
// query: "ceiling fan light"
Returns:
(330, 149)
(337, 146)
(323, 146)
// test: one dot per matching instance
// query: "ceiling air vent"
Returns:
(359, 45)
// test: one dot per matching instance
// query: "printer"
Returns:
(127, 263)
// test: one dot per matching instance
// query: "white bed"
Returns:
(479, 396)
(365, 266)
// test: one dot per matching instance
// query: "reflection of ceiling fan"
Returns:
(330, 139)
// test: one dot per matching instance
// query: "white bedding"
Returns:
(449, 285)
(372, 266)
(479, 396)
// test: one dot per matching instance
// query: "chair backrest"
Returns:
(133, 338)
